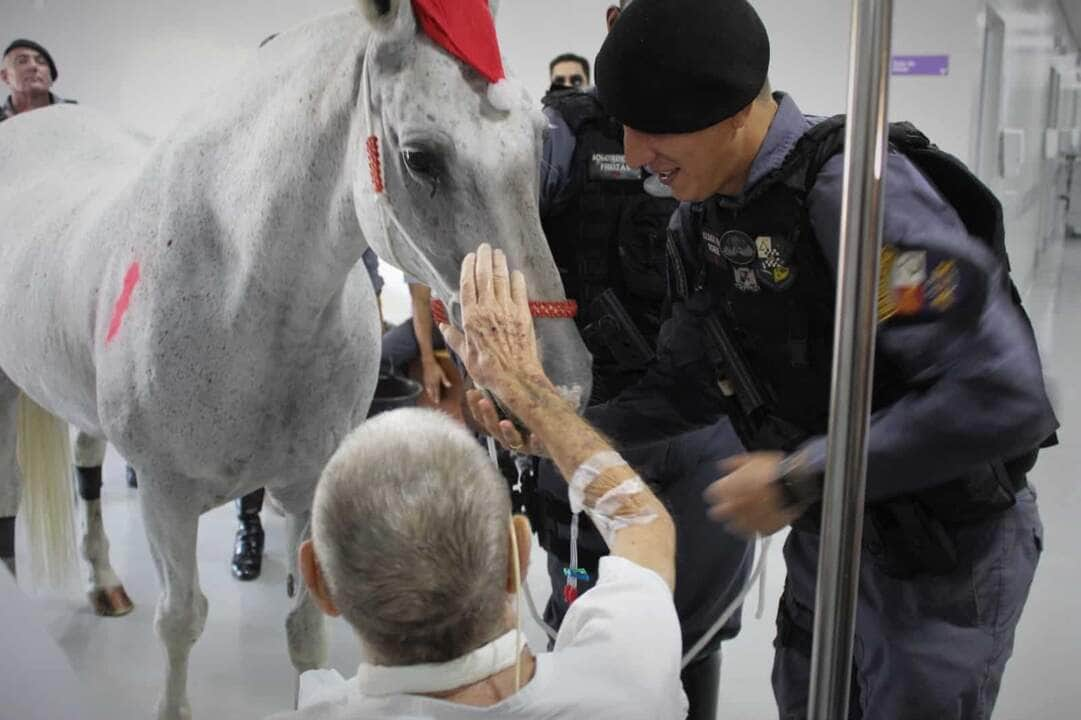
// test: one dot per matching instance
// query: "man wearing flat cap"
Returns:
(952, 533)
(29, 71)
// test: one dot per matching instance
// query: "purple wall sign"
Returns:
(920, 65)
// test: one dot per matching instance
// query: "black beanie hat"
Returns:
(31, 45)
(677, 66)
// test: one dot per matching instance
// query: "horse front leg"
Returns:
(104, 590)
(304, 626)
(172, 528)
(10, 482)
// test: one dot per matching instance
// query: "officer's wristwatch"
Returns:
(799, 486)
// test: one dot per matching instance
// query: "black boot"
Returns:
(248, 548)
(702, 683)
(88, 480)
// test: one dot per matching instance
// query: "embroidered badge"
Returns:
(905, 290)
(713, 247)
(745, 279)
(887, 308)
(737, 247)
(907, 276)
(774, 267)
(604, 166)
(941, 289)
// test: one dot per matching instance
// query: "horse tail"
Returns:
(43, 449)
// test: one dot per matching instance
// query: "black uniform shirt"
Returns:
(972, 366)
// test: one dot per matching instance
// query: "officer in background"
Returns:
(29, 72)
(952, 534)
(606, 226)
(250, 538)
(568, 70)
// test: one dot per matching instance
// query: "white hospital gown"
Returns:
(616, 658)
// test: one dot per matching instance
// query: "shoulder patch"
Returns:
(738, 248)
(906, 289)
(943, 285)
(745, 279)
(774, 267)
(712, 244)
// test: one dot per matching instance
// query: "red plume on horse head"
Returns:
(466, 29)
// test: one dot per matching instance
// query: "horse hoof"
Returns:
(110, 602)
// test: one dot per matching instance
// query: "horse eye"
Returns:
(421, 162)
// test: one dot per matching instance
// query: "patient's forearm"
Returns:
(571, 441)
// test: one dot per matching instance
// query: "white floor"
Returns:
(240, 668)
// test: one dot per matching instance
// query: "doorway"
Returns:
(990, 113)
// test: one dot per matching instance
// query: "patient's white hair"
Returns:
(410, 526)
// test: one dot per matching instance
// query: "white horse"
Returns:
(199, 302)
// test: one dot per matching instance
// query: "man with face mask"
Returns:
(29, 71)
(568, 71)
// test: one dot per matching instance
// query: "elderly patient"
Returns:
(414, 544)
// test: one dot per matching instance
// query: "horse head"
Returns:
(451, 170)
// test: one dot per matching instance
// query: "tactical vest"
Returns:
(607, 232)
(769, 281)
(758, 273)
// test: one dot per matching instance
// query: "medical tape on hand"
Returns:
(605, 512)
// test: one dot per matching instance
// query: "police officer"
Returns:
(952, 536)
(248, 543)
(568, 70)
(607, 233)
(29, 71)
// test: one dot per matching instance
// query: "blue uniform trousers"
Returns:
(711, 565)
(927, 648)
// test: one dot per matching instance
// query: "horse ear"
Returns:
(381, 12)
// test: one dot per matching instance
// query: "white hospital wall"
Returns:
(1037, 38)
(810, 46)
(809, 41)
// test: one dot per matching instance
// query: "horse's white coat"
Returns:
(251, 341)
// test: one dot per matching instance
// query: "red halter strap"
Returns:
(552, 309)
(375, 167)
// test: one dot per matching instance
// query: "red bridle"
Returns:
(552, 309)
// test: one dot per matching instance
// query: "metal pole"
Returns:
(853, 360)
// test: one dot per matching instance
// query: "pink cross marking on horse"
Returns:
(131, 279)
